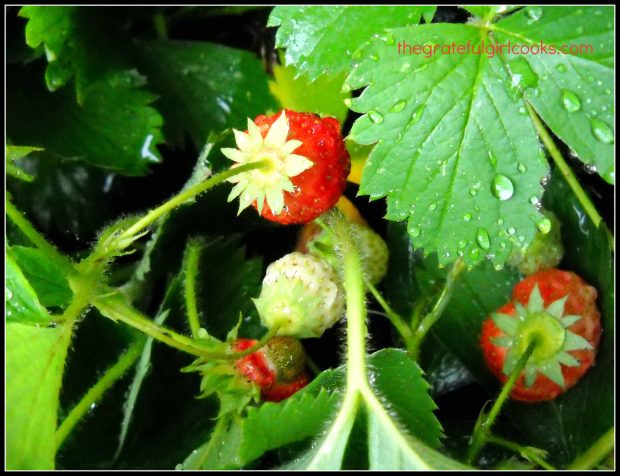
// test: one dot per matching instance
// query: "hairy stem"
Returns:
(564, 168)
(125, 238)
(109, 378)
(121, 312)
(191, 259)
(397, 321)
(483, 428)
(432, 317)
(596, 453)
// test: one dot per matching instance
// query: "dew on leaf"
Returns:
(534, 200)
(534, 13)
(415, 231)
(374, 57)
(521, 167)
(467, 217)
(502, 187)
(417, 114)
(346, 87)
(570, 101)
(398, 106)
(432, 206)
(375, 116)
(544, 225)
(482, 237)
(590, 168)
(348, 102)
(602, 131)
(561, 67)
(357, 54)
(511, 231)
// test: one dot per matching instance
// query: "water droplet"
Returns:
(521, 167)
(502, 187)
(405, 67)
(500, 221)
(432, 206)
(590, 168)
(534, 200)
(473, 192)
(570, 101)
(389, 39)
(348, 102)
(579, 30)
(357, 54)
(511, 231)
(602, 131)
(467, 217)
(375, 117)
(398, 106)
(417, 114)
(482, 237)
(522, 74)
(534, 13)
(462, 244)
(415, 231)
(346, 87)
(561, 67)
(374, 57)
(544, 225)
(474, 253)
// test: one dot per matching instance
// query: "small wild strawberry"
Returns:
(301, 295)
(278, 368)
(556, 310)
(307, 170)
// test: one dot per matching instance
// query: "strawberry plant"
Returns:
(320, 237)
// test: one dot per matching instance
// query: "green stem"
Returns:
(192, 257)
(125, 238)
(432, 317)
(483, 429)
(397, 321)
(528, 453)
(109, 378)
(564, 168)
(135, 319)
(31, 233)
(596, 453)
(355, 301)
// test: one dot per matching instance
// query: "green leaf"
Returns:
(16, 152)
(22, 303)
(35, 359)
(573, 93)
(401, 424)
(323, 96)
(47, 276)
(113, 127)
(204, 87)
(321, 40)
(272, 425)
(453, 145)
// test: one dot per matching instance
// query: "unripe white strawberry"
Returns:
(301, 295)
(373, 251)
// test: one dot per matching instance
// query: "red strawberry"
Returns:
(558, 309)
(308, 166)
(278, 368)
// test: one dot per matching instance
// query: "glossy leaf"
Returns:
(22, 303)
(574, 92)
(34, 363)
(321, 40)
(451, 147)
(204, 87)
(47, 276)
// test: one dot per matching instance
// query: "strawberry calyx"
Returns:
(268, 183)
(546, 327)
